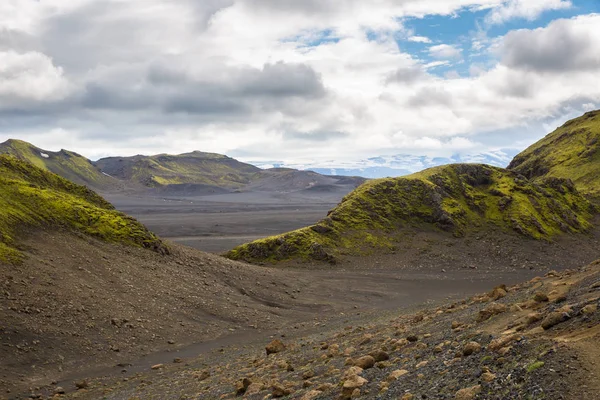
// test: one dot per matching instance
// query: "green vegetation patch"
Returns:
(459, 199)
(534, 366)
(31, 197)
(571, 152)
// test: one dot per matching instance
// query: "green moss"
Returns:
(571, 152)
(31, 197)
(65, 163)
(459, 199)
(534, 366)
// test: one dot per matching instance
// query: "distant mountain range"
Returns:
(398, 165)
(190, 174)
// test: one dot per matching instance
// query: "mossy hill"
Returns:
(32, 198)
(189, 168)
(67, 164)
(461, 199)
(572, 151)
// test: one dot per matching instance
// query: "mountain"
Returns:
(461, 199)
(398, 165)
(189, 168)
(67, 164)
(571, 151)
(33, 198)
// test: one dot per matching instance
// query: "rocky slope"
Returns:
(536, 340)
(32, 198)
(572, 152)
(65, 163)
(459, 199)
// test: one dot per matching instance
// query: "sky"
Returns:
(302, 82)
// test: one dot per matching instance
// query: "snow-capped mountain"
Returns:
(396, 165)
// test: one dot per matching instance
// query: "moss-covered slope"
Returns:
(31, 197)
(195, 168)
(67, 164)
(572, 151)
(459, 198)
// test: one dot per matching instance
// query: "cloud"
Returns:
(419, 39)
(445, 52)
(526, 9)
(258, 77)
(565, 45)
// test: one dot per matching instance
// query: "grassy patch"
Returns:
(534, 366)
(31, 197)
(571, 151)
(459, 198)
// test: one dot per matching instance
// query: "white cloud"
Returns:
(445, 52)
(258, 79)
(419, 39)
(526, 9)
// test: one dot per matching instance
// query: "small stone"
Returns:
(470, 348)
(313, 394)
(254, 388)
(412, 338)
(157, 366)
(589, 309)
(540, 297)
(308, 374)
(554, 318)
(201, 375)
(421, 364)
(351, 384)
(407, 396)
(488, 377)
(456, 324)
(278, 390)
(380, 355)
(276, 346)
(59, 390)
(82, 384)
(491, 310)
(365, 362)
(177, 360)
(396, 374)
(468, 393)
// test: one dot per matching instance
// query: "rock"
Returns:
(468, 393)
(421, 364)
(313, 394)
(491, 310)
(396, 374)
(355, 394)
(308, 374)
(350, 372)
(254, 388)
(501, 342)
(59, 390)
(82, 384)
(470, 348)
(541, 297)
(242, 386)
(407, 396)
(438, 349)
(276, 346)
(157, 366)
(351, 384)
(348, 351)
(488, 377)
(589, 309)
(498, 293)
(554, 318)
(365, 339)
(202, 375)
(533, 318)
(365, 362)
(412, 338)
(325, 387)
(380, 355)
(278, 390)
(456, 324)
(177, 360)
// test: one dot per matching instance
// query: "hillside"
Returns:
(536, 340)
(189, 168)
(32, 198)
(572, 152)
(460, 199)
(67, 164)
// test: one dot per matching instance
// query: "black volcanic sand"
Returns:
(218, 223)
